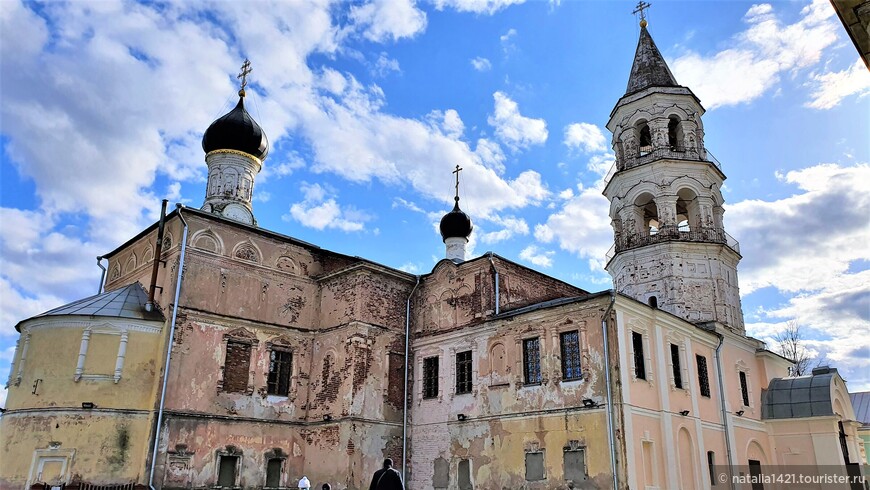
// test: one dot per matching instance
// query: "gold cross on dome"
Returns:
(458, 169)
(641, 6)
(246, 69)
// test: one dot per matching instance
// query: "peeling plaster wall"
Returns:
(505, 417)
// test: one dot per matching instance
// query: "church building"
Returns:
(219, 354)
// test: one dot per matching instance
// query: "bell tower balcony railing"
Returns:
(649, 154)
(672, 234)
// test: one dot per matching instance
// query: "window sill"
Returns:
(463, 393)
(277, 398)
(532, 385)
(572, 380)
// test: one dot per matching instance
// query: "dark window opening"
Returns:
(237, 367)
(280, 364)
(227, 471)
(703, 379)
(575, 465)
(843, 446)
(534, 466)
(755, 473)
(465, 475)
(430, 377)
(645, 139)
(675, 133)
(653, 302)
(463, 372)
(570, 345)
(711, 467)
(273, 472)
(637, 345)
(744, 389)
(675, 363)
(531, 361)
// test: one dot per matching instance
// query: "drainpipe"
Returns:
(102, 275)
(405, 409)
(156, 442)
(610, 438)
(158, 249)
(492, 263)
(724, 410)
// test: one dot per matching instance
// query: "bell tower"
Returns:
(670, 247)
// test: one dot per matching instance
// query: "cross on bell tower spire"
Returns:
(641, 6)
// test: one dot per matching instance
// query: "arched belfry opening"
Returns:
(688, 216)
(644, 137)
(648, 213)
(675, 133)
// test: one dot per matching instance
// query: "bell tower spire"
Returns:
(670, 249)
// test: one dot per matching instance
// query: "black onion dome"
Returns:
(236, 130)
(456, 224)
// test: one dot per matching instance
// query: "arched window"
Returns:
(688, 215)
(675, 134)
(648, 214)
(653, 302)
(644, 137)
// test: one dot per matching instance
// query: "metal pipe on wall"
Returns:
(405, 392)
(610, 438)
(156, 442)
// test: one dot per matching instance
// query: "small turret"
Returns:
(456, 227)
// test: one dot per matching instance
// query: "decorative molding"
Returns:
(118, 324)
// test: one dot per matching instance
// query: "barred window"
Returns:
(532, 361)
(570, 344)
(463, 372)
(430, 377)
(675, 363)
(703, 380)
(278, 382)
(744, 389)
(637, 344)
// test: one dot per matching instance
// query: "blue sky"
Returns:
(369, 106)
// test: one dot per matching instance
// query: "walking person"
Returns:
(387, 478)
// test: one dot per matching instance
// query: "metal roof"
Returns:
(126, 302)
(861, 404)
(649, 68)
(803, 396)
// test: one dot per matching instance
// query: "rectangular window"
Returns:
(570, 345)
(273, 473)
(637, 345)
(711, 467)
(465, 475)
(575, 465)
(532, 361)
(463, 372)
(278, 382)
(703, 379)
(430, 377)
(237, 367)
(675, 363)
(534, 466)
(744, 389)
(227, 471)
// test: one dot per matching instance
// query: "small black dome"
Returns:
(456, 224)
(236, 130)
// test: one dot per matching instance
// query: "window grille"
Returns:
(570, 344)
(280, 363)
(463, 372)
(430, 377)
(532, 361)
(637, 344)
(675, 363)
(703, 380)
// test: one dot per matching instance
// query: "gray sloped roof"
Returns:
(803, 396)
(126, 302)
(861, 404)
(649, 68)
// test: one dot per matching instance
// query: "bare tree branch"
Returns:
(791, 346)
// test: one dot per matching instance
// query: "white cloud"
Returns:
(581, 226)
(453, 126)
(507, 41)
(514, 129)
(319, 210)
(477, 6)
(812, 247)
(402, 203)
(481, 64)
(759, 56)
(830, 88)
(491, 155)
(584, 136)
(386, 65)
(511, 226)
(542, 258)
(389, 19)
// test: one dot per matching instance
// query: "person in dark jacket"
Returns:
(387, 478)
